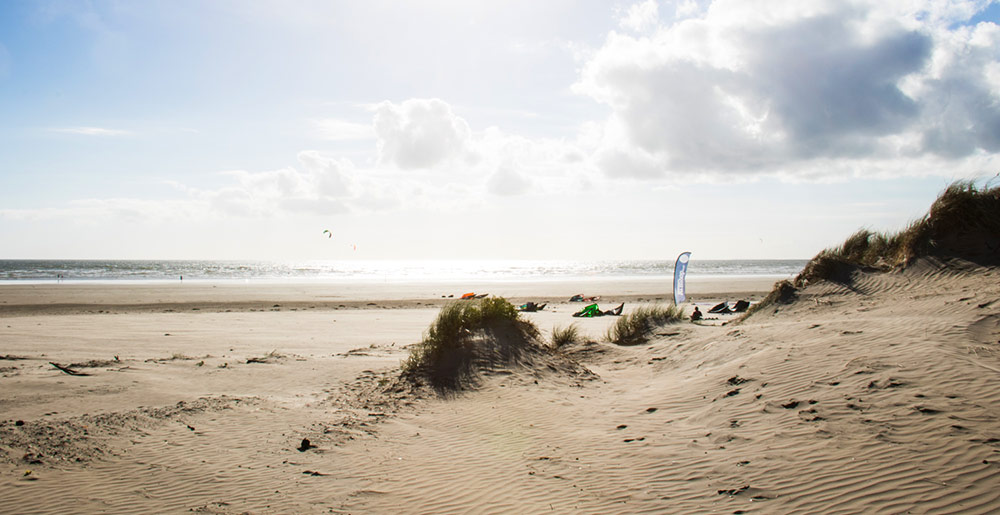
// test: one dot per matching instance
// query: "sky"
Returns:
(449, 129)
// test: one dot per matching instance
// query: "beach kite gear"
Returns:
(589, 312)
(594, 311)
(531, 307)
(720, 308)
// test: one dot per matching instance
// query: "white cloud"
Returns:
(93, 210)
(458, 167)
(782, 87)
(507, 181)
(686, 9)
(323, 186)
(419, 133)
(641, 17)
(90, 131)
(341, 130)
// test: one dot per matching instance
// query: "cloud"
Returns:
(780, 87)
(419, 133)
(960, 94)
(640, 17)
(90, 131)
(507, 181)
(340, 130)
(93, 210)
(323, 186)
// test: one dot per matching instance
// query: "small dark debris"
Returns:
(68, 370)
(622, 426)
(733, 392)
(31, 459)
(650, 410)
(734, 491)
(790, 405)
(736, 380)
(19, 423)
(305, 445)
(312, 473)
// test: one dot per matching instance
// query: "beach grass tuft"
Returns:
(566, 335)
(449, 347)
(634, 328)
(963, 222)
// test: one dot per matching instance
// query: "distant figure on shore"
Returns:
(182, 278)
(696, 315)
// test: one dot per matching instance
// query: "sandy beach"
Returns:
(878, 398)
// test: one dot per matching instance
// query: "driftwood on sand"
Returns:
(68, 370)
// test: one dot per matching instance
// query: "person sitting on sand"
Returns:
(696, 315)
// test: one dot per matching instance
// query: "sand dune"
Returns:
(878, 395)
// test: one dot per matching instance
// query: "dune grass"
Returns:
(955, 225)
(566, 335)
(964, 222)
(634, 328)
(448, 346)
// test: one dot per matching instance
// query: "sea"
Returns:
(132, 271)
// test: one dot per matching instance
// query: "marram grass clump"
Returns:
(566, 335)
(455, 339)
(635, 327)
(963, 222)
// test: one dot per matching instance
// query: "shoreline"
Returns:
(70, 297)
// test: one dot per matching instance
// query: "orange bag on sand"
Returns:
(468, 296)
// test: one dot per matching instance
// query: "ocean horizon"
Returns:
(122, 270)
